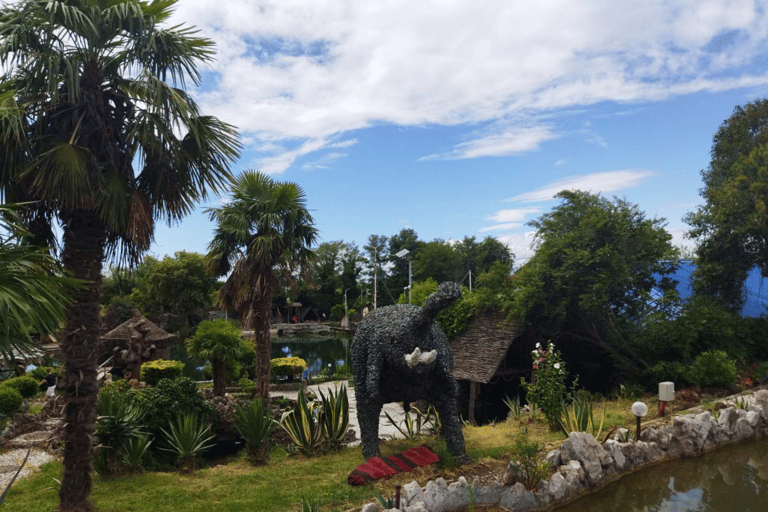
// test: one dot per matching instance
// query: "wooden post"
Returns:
(474, 392)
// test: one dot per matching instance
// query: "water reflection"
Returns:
(317, 351)
(733, 479)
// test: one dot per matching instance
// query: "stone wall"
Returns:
(583, 465)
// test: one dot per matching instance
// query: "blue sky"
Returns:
(464, 119)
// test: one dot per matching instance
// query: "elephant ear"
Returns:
(447, 293)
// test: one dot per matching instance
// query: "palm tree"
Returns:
(264, 234)
(219, 342)
(33, 292)
(94, 129)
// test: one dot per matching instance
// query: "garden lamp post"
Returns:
(639, 409)
(402, 254)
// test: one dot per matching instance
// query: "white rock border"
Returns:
(584, 465)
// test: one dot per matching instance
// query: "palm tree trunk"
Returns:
(262, 307)
(84, 239)
(219, 377)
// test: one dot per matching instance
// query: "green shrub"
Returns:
(187, 437)
(171, 399)
(10, 400)
(548, 391)
(26, 386)
(39, 373)
(713, 369)
(287, 366)
(672, 371)
(524, 465)
(254, 422)
(153, 371)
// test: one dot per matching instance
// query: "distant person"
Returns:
(306, 378)
(51, 381)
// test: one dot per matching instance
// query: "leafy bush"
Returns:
(672, 371)
(247, 385)
(548, 390)
(39, 373)
(524, 467)
(713, 369)
(26, 386)
(169, 399)
(10, 400)
(154, 371)
(287, 366)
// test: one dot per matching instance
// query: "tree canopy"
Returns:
(596, 263)
(731, 227)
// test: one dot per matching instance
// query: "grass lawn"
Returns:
(233, 485)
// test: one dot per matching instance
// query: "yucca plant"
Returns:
(187, 437)
(309, 506)
(334, 413)
(254, 422)
(133, 451)
(578, 417)
(513, 404)
(118, 420)
(306, 432)
(407, 427)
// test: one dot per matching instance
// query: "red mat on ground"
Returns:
(376, 467)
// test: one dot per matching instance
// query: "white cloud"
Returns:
(561, 162)
(600, 182)
(520, 245)
(324, 162)
(300, 70)
(513, 215)
(508, 142)
(501, 227)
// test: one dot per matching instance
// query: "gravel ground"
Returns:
(10, 461)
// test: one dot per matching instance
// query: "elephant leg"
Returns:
(451, 422)
(368, 417)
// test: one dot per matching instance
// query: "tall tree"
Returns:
(375, 253)
(90, 92)
(596, 263)
(731, 228)
(439, 261)
(398, 272)
(263, 237)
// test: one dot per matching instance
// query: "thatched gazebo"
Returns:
(485, 354)
(135, 341)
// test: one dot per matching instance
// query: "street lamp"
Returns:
(639, 409)
(402, 254)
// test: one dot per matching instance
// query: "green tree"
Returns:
(439, 261)
(594, 266)
(398, 272)
(375, 254)
(219, 342)
(33, 291)
(95, 130)
(731, 228)
(181, 284)
(263, 234)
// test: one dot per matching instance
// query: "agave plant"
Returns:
(118, 421)
(187, 437)
(306, 432)
(514, 406)
(578, 417)
(334, 413)
(254, 422)
(133, 451)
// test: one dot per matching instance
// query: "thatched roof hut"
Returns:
(124, 331)
(489, 351)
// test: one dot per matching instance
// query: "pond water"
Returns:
(732, 479)
(318, 351)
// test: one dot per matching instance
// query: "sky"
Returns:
(458, 118)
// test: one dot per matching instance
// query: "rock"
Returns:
(619, 460)
(486, 496)
(575, 478)
(518, 498)
(688, 435)
(584, 448)
(743, 430)
(640, 453)
(370, 507)
(553, 458)
(557, 486)
(412, 492)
